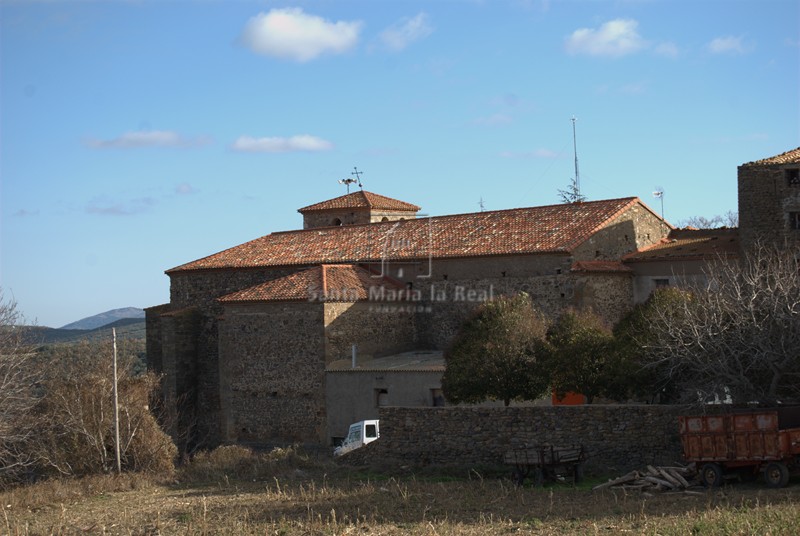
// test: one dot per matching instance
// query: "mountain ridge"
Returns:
(103, 319)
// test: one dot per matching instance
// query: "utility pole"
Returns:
(116, 405)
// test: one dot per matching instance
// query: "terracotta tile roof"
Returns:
(361, 199)
(548, 229)
(691, 244)
(600, 266)
(789, 157)
(337, 282)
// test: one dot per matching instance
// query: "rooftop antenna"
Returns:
(572, 194)
(659, 194)
(358, 174)
(575, 149)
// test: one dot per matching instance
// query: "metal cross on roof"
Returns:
(358, 174)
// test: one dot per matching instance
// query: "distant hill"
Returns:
(104, 319)
(126, 328)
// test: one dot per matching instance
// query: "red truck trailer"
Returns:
(746, 442)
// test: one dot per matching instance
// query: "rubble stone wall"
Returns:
(617, 438)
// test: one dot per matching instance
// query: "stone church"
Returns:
(268, 342)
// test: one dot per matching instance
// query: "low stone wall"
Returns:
(618, 438)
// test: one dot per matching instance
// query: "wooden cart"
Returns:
(546, 462)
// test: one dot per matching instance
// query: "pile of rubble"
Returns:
(673, 478)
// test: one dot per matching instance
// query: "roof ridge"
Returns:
(553, 228)
(792, 156)
(365, 198)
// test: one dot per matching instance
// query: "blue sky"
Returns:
(140, 135)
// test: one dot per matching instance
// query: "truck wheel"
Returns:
(711, 475)
(538, 477)
(776, 475)
(577, 473)
(518, 476)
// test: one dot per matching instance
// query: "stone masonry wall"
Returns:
(201, 288)
(617, 438)
(634, 229)
(609, 295)
(328, 218)
(765, 201)
(272, 373)
(377, 331)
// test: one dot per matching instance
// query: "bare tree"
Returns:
(737, 338)
(18, 382)
(729, 219)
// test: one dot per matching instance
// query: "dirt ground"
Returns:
(333, 500)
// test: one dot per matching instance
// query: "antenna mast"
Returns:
(575, 149)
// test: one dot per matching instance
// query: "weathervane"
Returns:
(350, 180)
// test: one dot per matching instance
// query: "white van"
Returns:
(360, 434)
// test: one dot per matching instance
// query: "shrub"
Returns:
(76, 432)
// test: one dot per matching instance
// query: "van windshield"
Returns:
(354, 435)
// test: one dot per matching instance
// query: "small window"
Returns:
(794, 221)
(371, 431)
(336, 222)
(793, 177)
(381, 397)
(385, 219)
(660, 283)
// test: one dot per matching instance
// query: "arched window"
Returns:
(385, 219)
(336, 221)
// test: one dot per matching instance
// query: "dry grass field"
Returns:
(233, 491)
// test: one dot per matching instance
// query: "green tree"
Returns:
(581, 357)
(498, 354)
(635, 338)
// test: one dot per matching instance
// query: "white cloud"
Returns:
(105, 207)
(185, 188)
(614, 38)
(725, 45)
(292, 34)
(24, 213)
(146, 138)
(634, 88)
(494, 120)
(667, 49)
(403, 33)
(536, 153)
(303, 142)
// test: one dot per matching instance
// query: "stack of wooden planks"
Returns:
(673, 478)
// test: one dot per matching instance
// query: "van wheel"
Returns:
(711, 475)
(776, 475)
